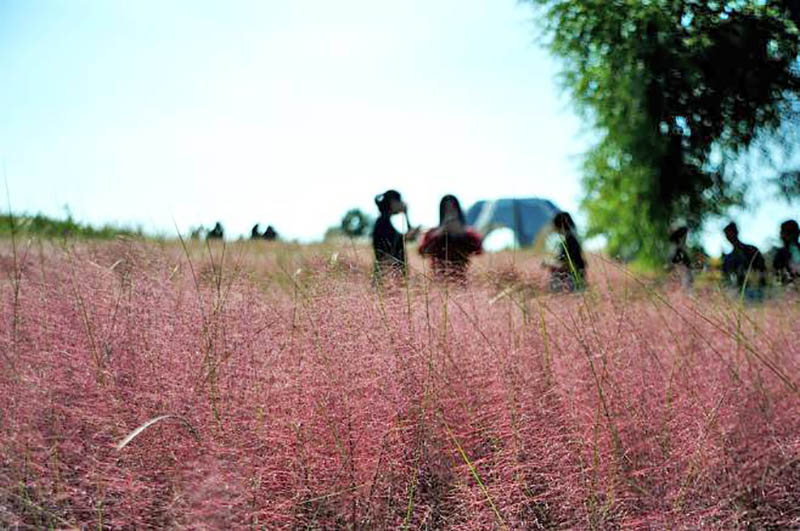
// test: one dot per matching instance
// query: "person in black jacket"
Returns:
(387, 242)
(744, 266)
(568, 273)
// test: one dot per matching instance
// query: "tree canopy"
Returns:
(677, 89)
(355, 223)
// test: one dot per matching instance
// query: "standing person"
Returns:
(387, 242)
(451, 244)
(270, 234)
(217, 233)
(679, 260)
(787, 260)
(568, 273)
(254, 232)
(744, 266)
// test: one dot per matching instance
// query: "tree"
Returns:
(355, 223)
(678, 89)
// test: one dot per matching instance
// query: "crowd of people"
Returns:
(218, 233)
(451, 244)
(745, 267)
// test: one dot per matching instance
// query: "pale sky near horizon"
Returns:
(284, 112)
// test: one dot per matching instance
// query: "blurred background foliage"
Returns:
(678, 90)
(47, 227)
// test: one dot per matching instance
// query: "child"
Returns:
(451, 244)
(568, 273)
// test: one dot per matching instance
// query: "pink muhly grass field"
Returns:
(302, 396)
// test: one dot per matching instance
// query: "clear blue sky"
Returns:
(285, 112)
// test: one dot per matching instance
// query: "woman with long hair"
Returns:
(451, 244)
(568, 273)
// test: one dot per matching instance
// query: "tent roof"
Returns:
(526, 216)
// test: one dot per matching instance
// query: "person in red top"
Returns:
(451, 244)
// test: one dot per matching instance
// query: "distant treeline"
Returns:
(48, 227)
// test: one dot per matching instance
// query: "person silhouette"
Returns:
(744, 267)
(270, 234)
(787, 259)
(254, 233)
(387, 243)
(679, 260)
(568, 272)
(217, 232)
(451, 244)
